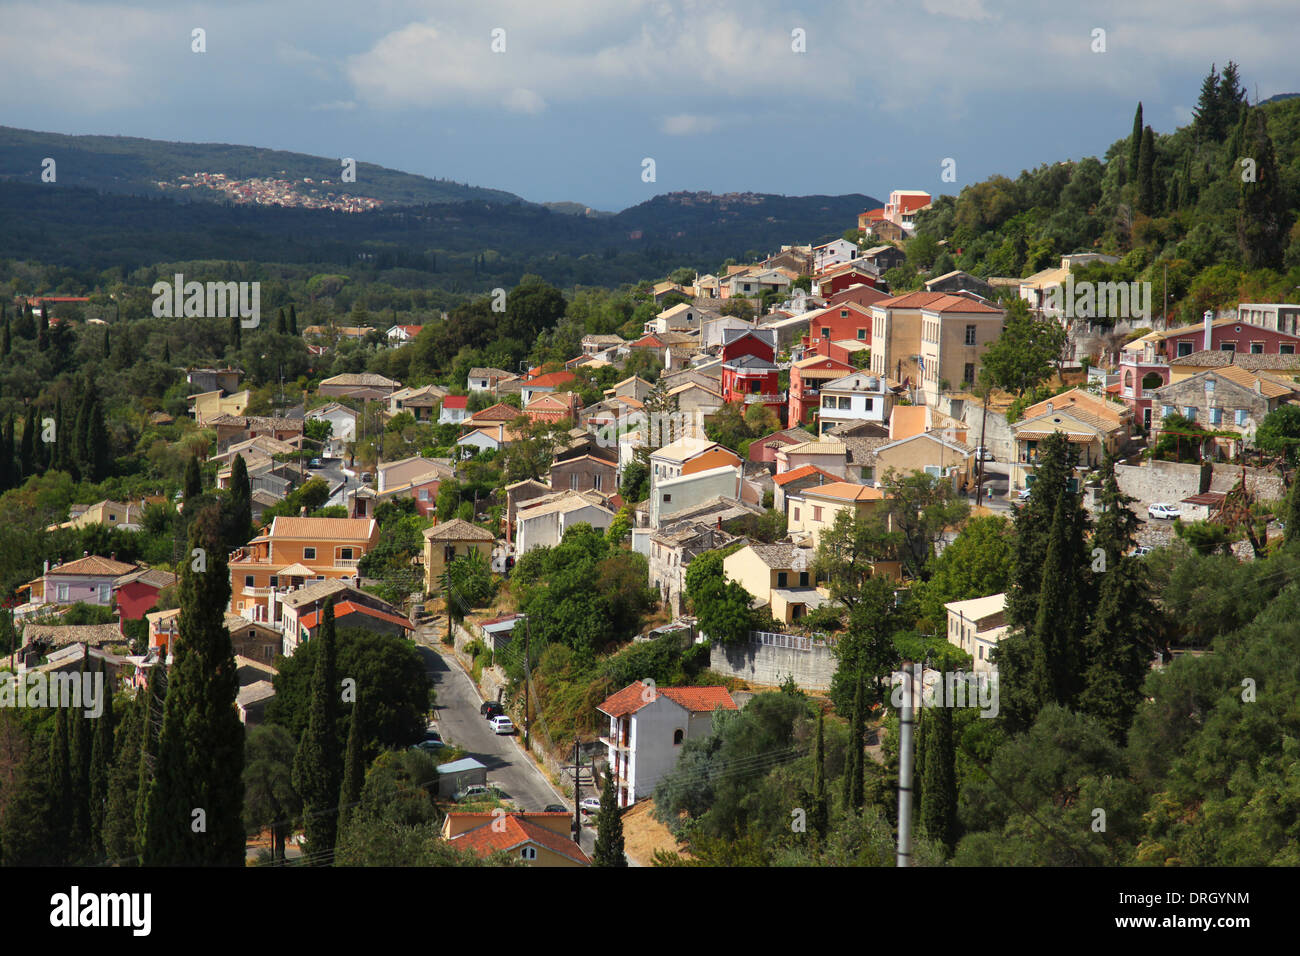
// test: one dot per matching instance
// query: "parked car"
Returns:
(433, 735)
(490, 709)
(1160, 509)
(589, 804)
(983, 454)
(501, 724)
(555, 808)
(476, 791)
(427, 745)
(1022, 494)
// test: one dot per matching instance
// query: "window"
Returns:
(678, 736)
(803, 579)
(573, 482)
(275, 580)
(817, 513)
(862, 335)
(667, 498)
(345, 554)
(1241, 416)
(528, 853)
(596, 481)
(1166, 411)
(448, 553)
(970, 335)
(1184, 348)
(1256, 348)
(248, 581)
(424, 494)
(782, 579)
(1228, 347)
(981, 653)
(1216, 415)
(828, 401)
(111, 516)
(309, 554)
(845, 402)
(796, 514)
(755, 385)
(105, 593)
(871, 403)
(868, 473)
(1189, 412)
(826, 332)
(1286, 350)
(968, 373)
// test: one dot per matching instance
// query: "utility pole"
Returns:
(979, 465)
(576, 829)
(905, 774)
(528, 679)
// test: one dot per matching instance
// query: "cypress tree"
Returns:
(1261, 203)
(293, 320)
(155, 694)
(1116, 527)
(193, 479)
(354, 764)
(820, 816)
(195, 805)
(59, 786)
(1118, 656)
(1056, 668)
(317, 767)
(1146, 180)
(81, 743)
(281, 324)
(236, 333)
(241, 503)
(119, 827)
(27, 450)
(43, 329)
(609, 828)
(101, 764)
(81, 434)
(23, 327)
(939, 779)
(7, 463)
(107, 344)
(5, 334)
(26, 838)
(855, 770)
(1135, 144)
(167, 352)
(97, 452)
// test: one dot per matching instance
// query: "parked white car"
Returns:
(1161, 509)
(589, 804)
(1023, 494)
(502, 724)
(983, 454)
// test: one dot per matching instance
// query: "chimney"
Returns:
(1259, 386)
(1209, 321)
(112, 555)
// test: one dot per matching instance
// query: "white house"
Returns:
(647, 727)
(455, 409)
(834, 253)
(671, 495)
(402, 334)
(976, 626)
(487, 438)
(860, 397)
(343, 430)
(541, 522)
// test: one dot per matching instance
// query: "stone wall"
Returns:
(1160, 480)
(761, 663)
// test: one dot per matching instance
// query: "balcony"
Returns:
(613, 742)
(346, 562)
(765, 398)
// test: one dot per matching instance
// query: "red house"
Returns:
(806, 377)
(863, 294)
(750, 380)
(137, 592)
(764, 449)
(843, 277)
(760, 343)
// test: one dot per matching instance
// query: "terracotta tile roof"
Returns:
(786, 477)
(500, 412)
(1267, 387)
(517, 831)
(62, 635)
(695, 699)
(458, 529)
(1214, 358)
(551, 380)
(150, 577)
(362, 379)
(95, 565)
(345, 608)
(338, 529)
(845, 491)
(456, 401)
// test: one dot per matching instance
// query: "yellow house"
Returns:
(929, 452)
(109, 514)
(210, 405)
(445, 542)
(813, 510)
(778, 577)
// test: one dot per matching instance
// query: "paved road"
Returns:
(521, 781)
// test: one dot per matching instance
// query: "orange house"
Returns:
(294, 552)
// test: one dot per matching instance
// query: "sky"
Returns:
(564, 100)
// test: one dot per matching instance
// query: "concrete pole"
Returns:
(905, 774)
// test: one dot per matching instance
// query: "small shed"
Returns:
(460, 774)
(1200, 507)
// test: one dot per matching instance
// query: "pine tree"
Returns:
(121, 847)
(354, 764)
(1232, 97)
(939, 779)
(609, 828)
(195, 804)
(1135, 145)
(1261, 203)
(1146, 179)
(193, 479)
(1115, 531)
(821, 814)
(101, 764)
(241, 503)
(317, 767)
(59, 786)
(27, 450)
(1207, 123)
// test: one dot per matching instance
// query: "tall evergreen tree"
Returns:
(195, 809)
(121, 847)
(99, 459)
(293, 320)
(1207, 120)
(1146, 175)
(609, 849)
(43, 328)
(155, 696)
(1135, 145)
(855, 770)
(1262, 202)
(27, 450)
(81, 432)
(1292, 531)
(281, 323)
(236, 334)
(1115, 530)
(354, 763)
(26, 839)
(23, 326)
(81, 735)
(101, 764)
(5, 337)
(167, 352)
(1056, 665)
(318, 767)
(107, 344)
(8, 466)
(193, 479)
(1117, 651)
(820, 817)
(241, 503)
(939, 778)
(59, 811)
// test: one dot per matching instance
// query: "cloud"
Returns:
(524, 101)
(688, 124)
(336, 105)
(957, 9)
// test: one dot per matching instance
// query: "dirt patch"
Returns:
(643, 834)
